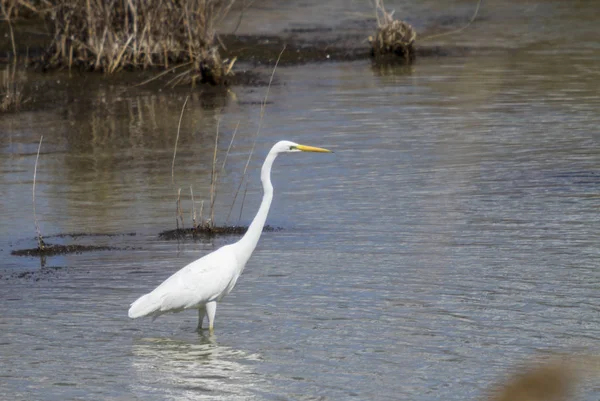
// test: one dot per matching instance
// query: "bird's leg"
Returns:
(211, 310)
(201, 314)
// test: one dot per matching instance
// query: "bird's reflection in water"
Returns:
(191, 370)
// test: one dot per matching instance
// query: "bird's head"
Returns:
(287, 147)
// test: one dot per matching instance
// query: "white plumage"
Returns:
(204, 282)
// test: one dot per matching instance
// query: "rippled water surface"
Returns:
(453, 233)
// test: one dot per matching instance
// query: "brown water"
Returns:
(453, 233)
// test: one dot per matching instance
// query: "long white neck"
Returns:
(246, 245)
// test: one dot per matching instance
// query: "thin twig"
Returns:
(193, 209)
(7, 10)
(201, 210)
(29, 6)
(262, 114)
(40, 240)
(177, 140)
(242, 207)
(179, 212)
(12, 38)
(456, 30)
(230, 66)
(213, 178)
(244, 8)
(173, 82)
(162, 73)
(229, 149)
(115, 63)
(216, 176)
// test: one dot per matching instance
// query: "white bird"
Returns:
(204, 282)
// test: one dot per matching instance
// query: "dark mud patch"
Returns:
(53, 250)
(245, 77)
(44, 273)
(64, 249)
(263, 49)
(208, 232)
(90, 235)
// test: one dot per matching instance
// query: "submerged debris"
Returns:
(393, 37)
(548, 381)
(208, 232)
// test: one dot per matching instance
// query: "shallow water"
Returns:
(452, 235)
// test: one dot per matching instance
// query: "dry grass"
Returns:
(393, 36)
(9, 10)
(11, 89)
(111, 35)
(12, 80)
(207, 226)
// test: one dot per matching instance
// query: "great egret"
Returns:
(204, 282)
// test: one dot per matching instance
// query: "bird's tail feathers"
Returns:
(145, 305)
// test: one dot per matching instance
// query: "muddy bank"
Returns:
(64, 249)
(43, 273)
(175, 234)
(253, 51)
(303, 45)
(53, 250)
(209, 232)
(262, 49)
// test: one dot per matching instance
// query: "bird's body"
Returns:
(204, 282)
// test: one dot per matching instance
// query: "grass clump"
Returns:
(207, 227)
(112, 35)
(11, 89)
(393, 37)
(12, 81)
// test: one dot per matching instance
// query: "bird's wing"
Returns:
(197, 283)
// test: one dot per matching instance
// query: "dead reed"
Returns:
(393, 37)
(207, 227)
(11, 89)
(462, 28)
(177, 140)
(111, 35)
(214, 178)
(12, 81)
(179, 211)
(9, 10)
(40, 239)
(263, 107)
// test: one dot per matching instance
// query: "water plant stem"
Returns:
(177, 140)
(456, 30)
(262, 114)
(40, 240)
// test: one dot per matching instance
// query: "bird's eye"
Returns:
(292, 147)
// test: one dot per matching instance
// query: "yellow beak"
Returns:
(312, 149)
